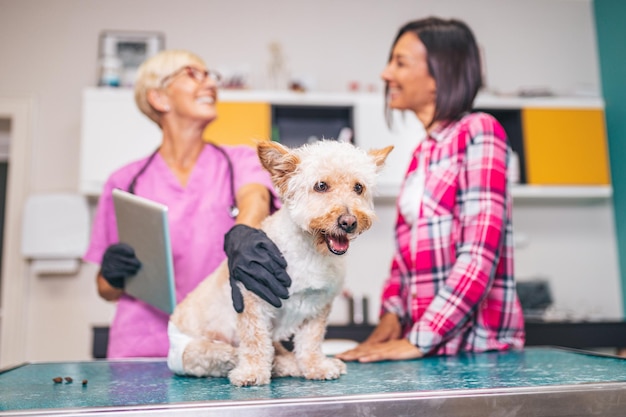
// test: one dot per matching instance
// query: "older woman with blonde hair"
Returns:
(216, 197)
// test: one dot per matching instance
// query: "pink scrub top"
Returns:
(198, 220)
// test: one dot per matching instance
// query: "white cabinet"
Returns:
(114, 132)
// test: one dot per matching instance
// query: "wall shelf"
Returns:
(496, 101)
(389, 192)
(565, 192)
(113, 132)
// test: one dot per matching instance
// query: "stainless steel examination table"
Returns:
(539, 381)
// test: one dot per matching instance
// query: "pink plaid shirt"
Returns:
(451, 281)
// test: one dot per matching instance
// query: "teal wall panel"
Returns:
(610, 18)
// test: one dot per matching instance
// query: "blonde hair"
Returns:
(151, 73)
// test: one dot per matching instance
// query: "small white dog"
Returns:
(327, 194)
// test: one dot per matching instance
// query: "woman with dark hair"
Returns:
(451, 286)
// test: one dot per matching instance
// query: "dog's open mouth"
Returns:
(337, 244)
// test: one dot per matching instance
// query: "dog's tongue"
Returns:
(338, 245)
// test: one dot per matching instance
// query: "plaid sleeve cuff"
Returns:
(424, 338)
(392, 305)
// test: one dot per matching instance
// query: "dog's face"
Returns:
(327, 188)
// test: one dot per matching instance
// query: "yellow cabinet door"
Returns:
(565, 146)
(240, 123)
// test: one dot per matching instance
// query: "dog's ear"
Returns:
(278, 161)
(379, 155)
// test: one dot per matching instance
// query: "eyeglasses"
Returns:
(197, 74)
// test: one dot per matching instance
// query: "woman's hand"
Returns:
(388, 329)
(118, 263)
(256, 262)
(384, 343)
(393, 350)
(253, 259)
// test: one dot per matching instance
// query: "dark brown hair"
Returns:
(453, 62)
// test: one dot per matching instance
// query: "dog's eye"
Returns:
(321, 187)
(358, 188)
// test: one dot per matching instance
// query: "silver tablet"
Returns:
(142, 224)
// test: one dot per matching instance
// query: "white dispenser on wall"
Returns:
(55, 232)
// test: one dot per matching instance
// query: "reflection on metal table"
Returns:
(538, 381)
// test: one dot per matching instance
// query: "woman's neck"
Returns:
(433, 127)
(426, 116)
(180, 150)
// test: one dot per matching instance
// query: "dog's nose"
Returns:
(347, 223)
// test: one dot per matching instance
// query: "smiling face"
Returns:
(409, 83)
(190, 94)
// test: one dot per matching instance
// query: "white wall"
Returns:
(48, 48)
(48, 51)
(570, 244)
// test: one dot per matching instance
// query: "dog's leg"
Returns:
(255, 352)
(204, 357)
(285, 363)
(308, 350)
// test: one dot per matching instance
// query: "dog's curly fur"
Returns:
(327, 194)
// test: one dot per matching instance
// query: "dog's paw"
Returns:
(327, 368)
(243, 377)
(285, 365)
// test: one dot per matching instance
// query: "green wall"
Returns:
(610, 16)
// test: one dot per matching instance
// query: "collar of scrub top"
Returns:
(233, 210)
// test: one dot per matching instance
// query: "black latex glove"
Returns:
(118, 263)
(256, 262)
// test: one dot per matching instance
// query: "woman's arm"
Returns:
(482, 227)
(253, 259)
(253, 201)
(392, 302)
(385, 343)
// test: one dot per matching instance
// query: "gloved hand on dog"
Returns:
(256, 262)
(118, 263)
